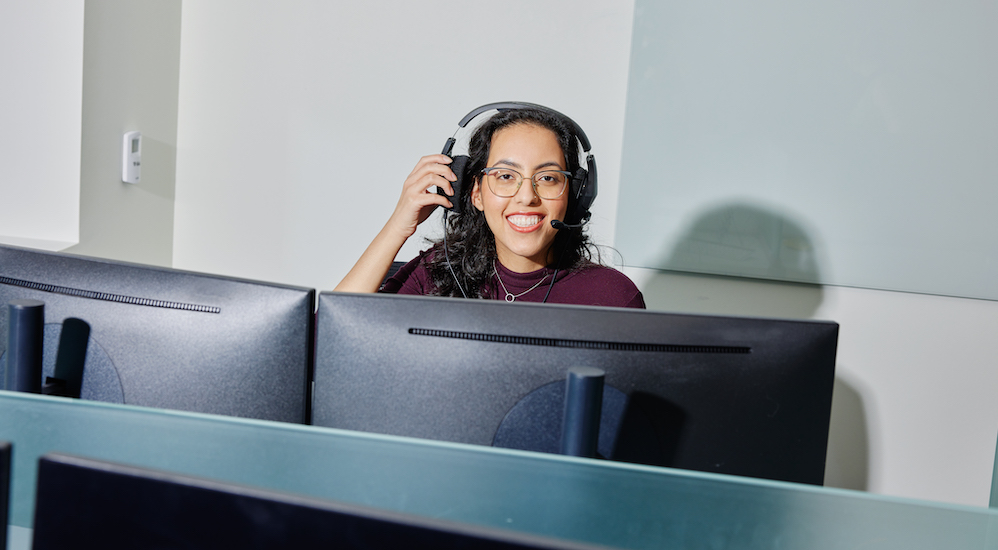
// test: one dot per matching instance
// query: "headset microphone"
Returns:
(559, 225)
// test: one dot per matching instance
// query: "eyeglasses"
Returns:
(547, 184)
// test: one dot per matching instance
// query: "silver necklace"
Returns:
(509, 295)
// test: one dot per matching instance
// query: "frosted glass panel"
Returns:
(852, 143)
(601, 502)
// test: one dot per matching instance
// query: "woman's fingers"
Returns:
(415, 204)
(418, 200)
(431, 170)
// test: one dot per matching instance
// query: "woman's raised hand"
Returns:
(418, 200)
(415, 205)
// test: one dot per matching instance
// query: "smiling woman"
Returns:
(520, 219)
(520, 234)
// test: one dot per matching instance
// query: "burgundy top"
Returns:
(596, 285)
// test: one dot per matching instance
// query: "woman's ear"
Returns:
(476, 195)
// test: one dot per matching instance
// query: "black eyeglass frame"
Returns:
(533, 182)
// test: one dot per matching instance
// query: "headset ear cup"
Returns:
(576, 188)
(458, 165)
(584, 190)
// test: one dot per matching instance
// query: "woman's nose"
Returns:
(526, 194)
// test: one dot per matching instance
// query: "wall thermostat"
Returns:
(131, 157)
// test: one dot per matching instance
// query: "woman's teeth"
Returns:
(524, 221)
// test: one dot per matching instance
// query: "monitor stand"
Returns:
(583, 404)
(536, 422)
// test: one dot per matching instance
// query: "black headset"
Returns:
(583, 187)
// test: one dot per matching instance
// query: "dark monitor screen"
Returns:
(84, 503)
(168, 338)
(729, 395)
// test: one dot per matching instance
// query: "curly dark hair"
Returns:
(471, 246)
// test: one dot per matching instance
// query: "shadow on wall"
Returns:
(847, 462)
(747, 260)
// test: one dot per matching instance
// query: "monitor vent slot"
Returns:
(583, 344)
(108, 297)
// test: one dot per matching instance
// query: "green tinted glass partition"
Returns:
(842, 143)
(613, 504)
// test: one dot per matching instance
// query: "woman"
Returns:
(504, 245)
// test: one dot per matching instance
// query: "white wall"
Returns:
(131, 72)
(298, 122)
(41, 64)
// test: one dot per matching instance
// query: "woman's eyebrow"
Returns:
(508, 162)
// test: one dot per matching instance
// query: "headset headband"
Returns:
(510, 105)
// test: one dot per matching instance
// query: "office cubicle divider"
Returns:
(591, 501)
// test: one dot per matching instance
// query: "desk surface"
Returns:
(600, 502)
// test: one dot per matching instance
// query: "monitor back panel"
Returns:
(169, 338)
(729, 395)
(84, 503)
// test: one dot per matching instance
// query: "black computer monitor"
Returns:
(168, 338)
(730, 395)
(82, 503)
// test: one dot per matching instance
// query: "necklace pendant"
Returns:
(510, 297)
